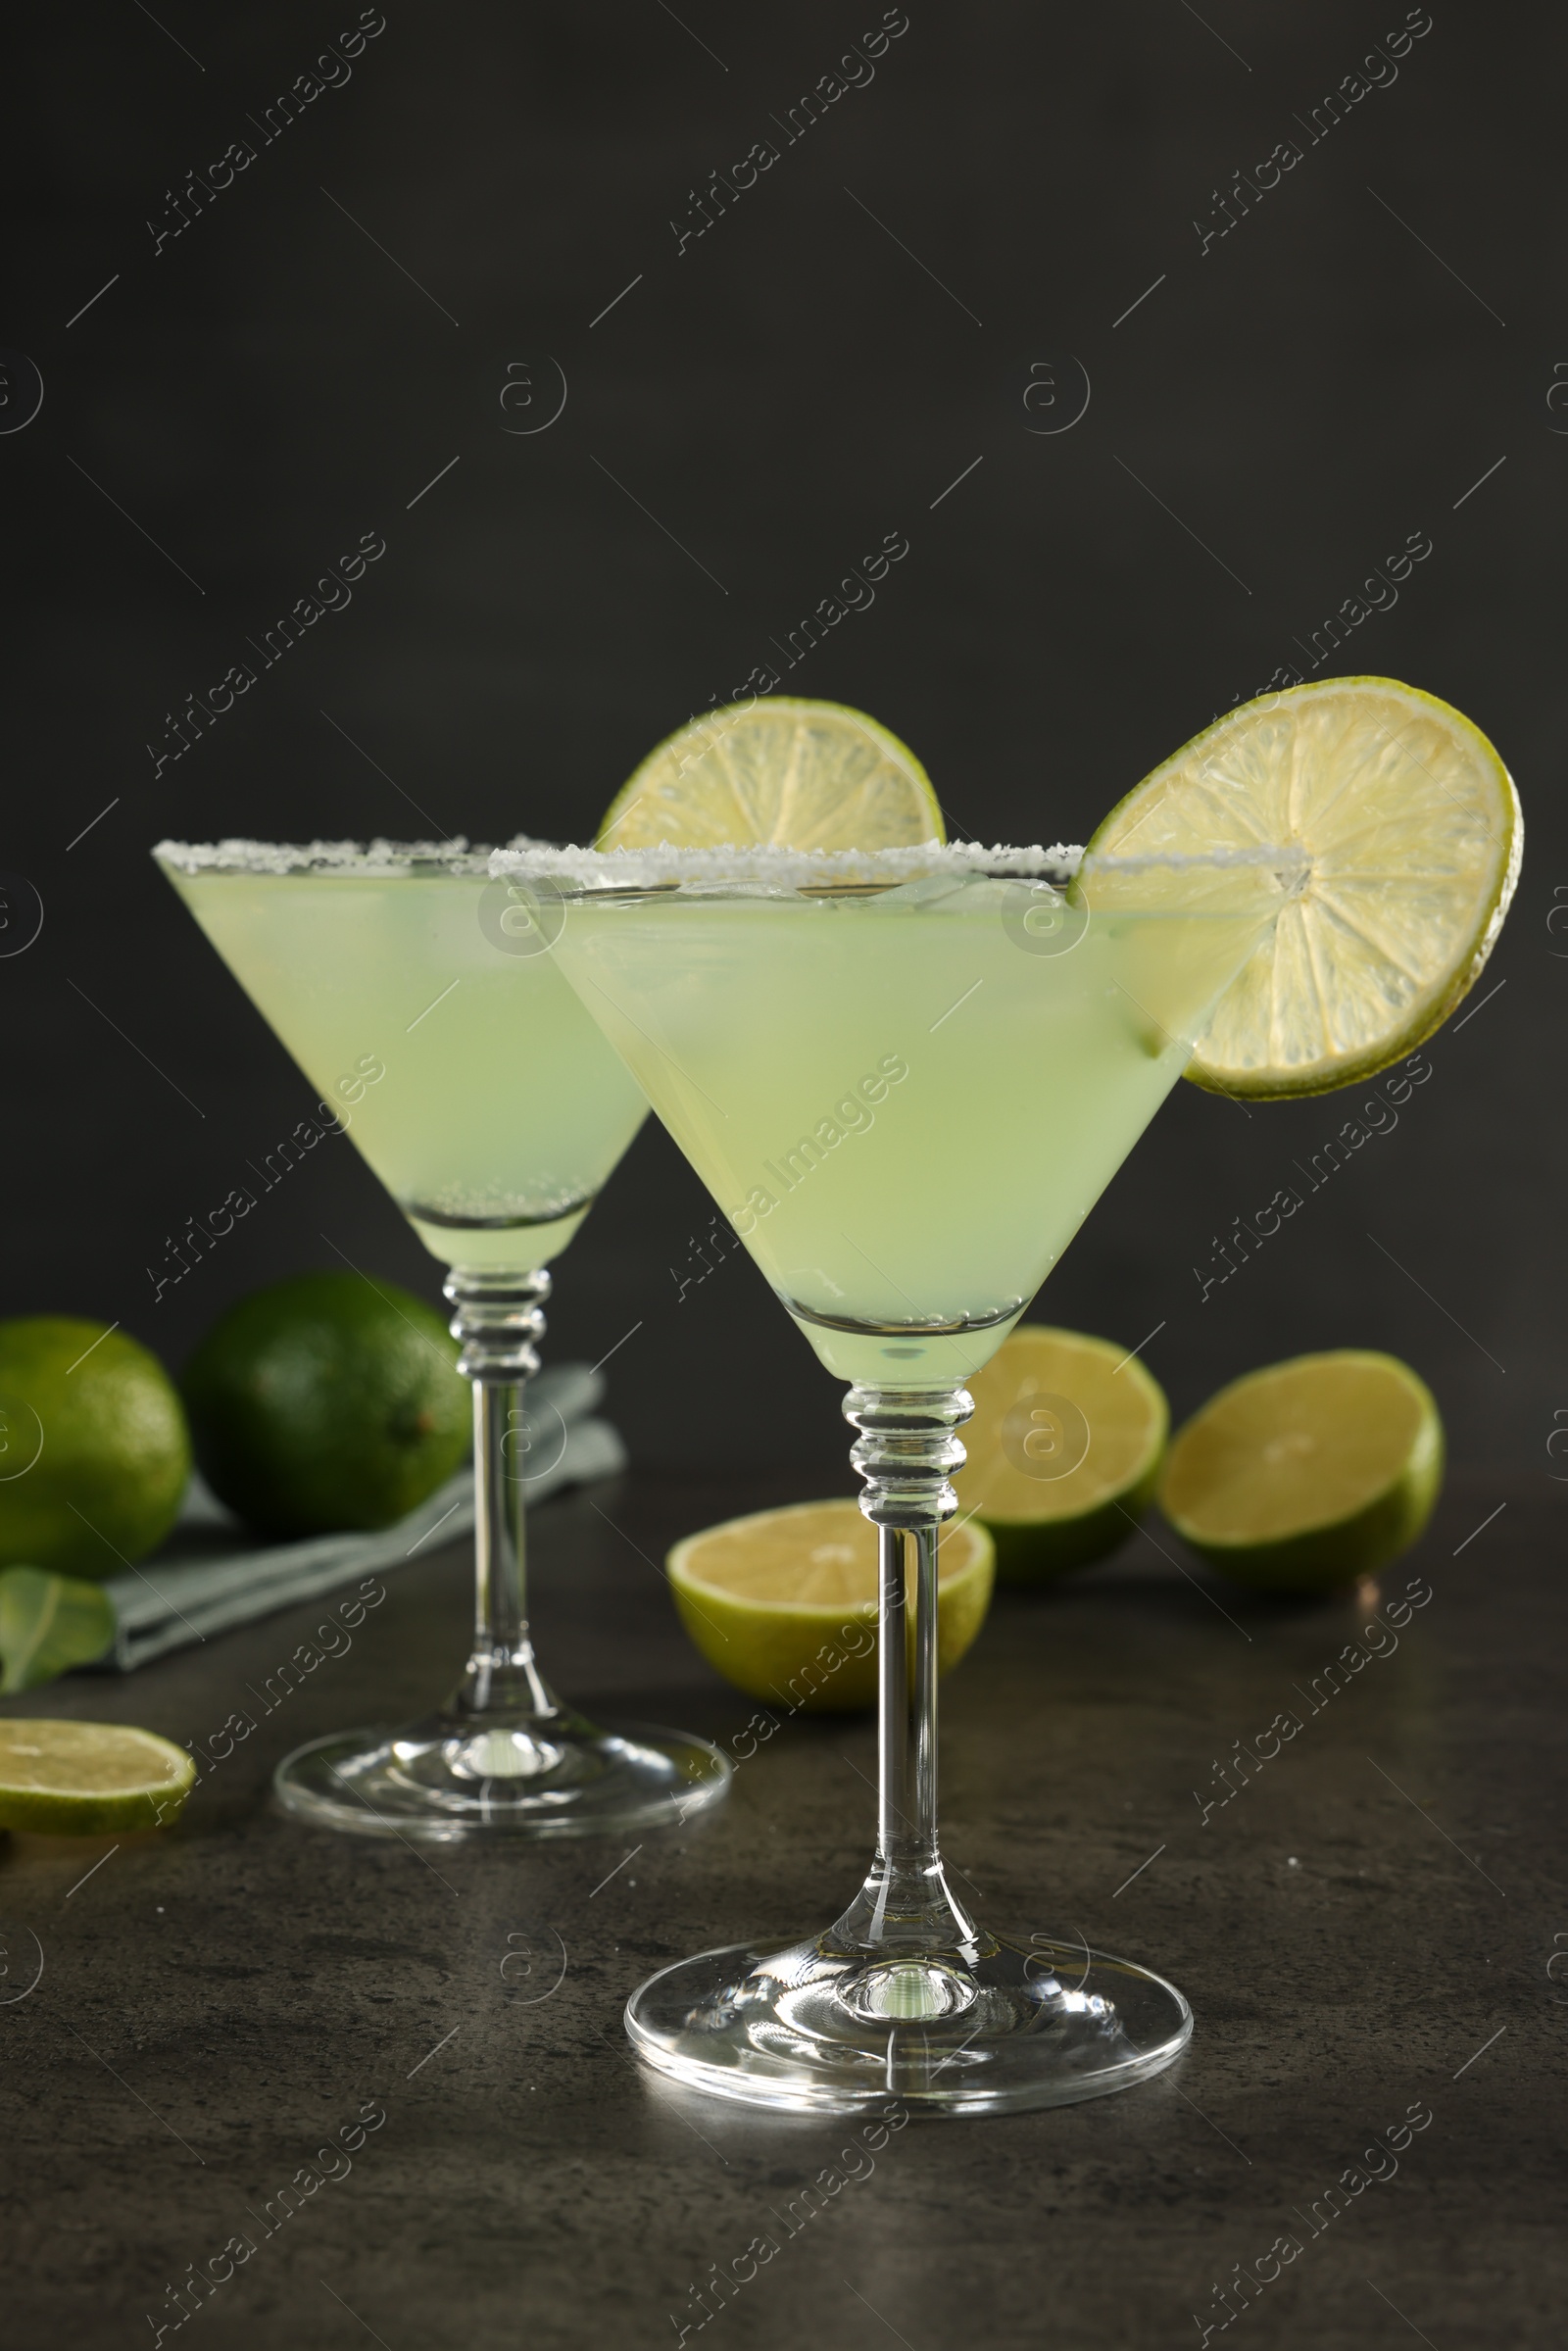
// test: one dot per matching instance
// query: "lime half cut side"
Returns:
(780, 772)
(784, 1603)
(89, 1779)
(1063, 1451)
(1306, 1475)
(1412, 839)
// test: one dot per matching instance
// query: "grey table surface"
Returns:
(1369, 1927)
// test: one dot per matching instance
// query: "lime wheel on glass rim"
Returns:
(780, 772)
(1411, 835)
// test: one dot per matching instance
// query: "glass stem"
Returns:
(499, 1318)
(906, 1450)
(906, 1758)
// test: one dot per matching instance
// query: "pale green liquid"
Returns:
(904, 1112)
(498, 1111)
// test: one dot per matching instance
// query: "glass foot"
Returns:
(980, 2030)
(452, 1776)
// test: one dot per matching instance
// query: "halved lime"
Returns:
(783, 1603)
(1064, 1450)
(788, 773)
(1412, 827)
(1307, 1474)
(89, 1779)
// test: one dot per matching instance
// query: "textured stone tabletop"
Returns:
(424, 2048)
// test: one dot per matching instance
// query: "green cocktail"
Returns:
(471, 1079)
(465, 1071)
(905, 1078)
(907, 1100)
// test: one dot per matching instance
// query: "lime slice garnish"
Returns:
(788, 773)
(783, 1603)
(1307, 1474)
(1064, 1448)
(89, 1779)
(1412, 827)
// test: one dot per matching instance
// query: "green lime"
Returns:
(1063, 1451)
(784, 1604)
(89, 1779)
(791, 774)
(1308, 1474)
(327, 1400)
(1413, 836)
(94, 1450)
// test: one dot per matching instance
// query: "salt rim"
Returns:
(377, 857)
(781, 869)
(636, 869)
(804, 868)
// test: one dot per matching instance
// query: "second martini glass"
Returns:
(420, 1000)
(905, 1079)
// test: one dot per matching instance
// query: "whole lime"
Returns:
(94, 1450)
(327, 1402)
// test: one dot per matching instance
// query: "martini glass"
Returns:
(905, 1078)
(418, 998)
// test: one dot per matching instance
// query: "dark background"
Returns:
(1273, 418)
(1272, 421)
